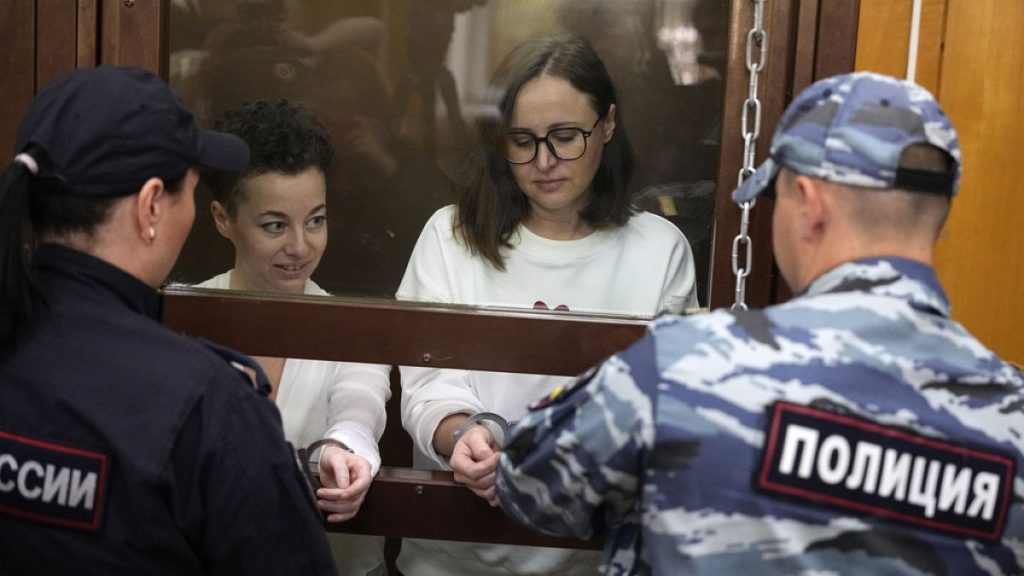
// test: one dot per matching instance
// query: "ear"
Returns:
(148, 209)
(815, 208)
(609, 124)
(221, 218)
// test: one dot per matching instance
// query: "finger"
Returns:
(489, 495)
(470, 463)
(340, 512)
(353, 492)
(334, 467)
(331, 494)
(480, 442)
(339, 507)
(350, 494)
(359, 476)
(476, 470)
(336, 518)
(359, 470)
(482, 482)
(340, 470)
(359, 485)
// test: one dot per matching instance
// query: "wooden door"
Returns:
(971, 56)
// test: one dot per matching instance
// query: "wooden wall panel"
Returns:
(57, 23)
(773, 82)
(929, 49)
(39, 40)
(134, 34)
(807, 40)
(971, 56)
(980, 257)
(884, 36)
(883, 39)
(806, 37)
(88, 30)
(17, 69)
(837, 38)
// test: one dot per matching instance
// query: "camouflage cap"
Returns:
(852, 129)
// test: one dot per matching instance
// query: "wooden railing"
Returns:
(403, 502)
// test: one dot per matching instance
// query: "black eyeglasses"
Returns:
(563, 143)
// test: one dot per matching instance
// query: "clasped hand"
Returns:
(475, 461)
(346, 478)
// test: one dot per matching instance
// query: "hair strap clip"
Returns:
(28, 161)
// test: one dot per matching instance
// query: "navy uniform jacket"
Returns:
(855, 429)
(128, 449)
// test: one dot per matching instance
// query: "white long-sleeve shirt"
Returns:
(321, 399)
(340, 400)
(642, 268)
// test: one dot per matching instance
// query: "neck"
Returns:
(238, 280)
(826, 258)
(126, 253)
(235, 281)
(557, 226)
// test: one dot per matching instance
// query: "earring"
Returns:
(152, 233)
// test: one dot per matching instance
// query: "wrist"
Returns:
(495, 424)
(316, 449)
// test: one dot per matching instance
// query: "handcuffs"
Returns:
(483, 418)
(305, 460)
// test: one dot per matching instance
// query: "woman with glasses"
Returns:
(275, 215)
(547, 225)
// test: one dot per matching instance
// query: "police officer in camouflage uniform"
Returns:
(126, 448)
(854, 429)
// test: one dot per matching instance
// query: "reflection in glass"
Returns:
(403, 88)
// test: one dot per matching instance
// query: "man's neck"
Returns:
(827, 258)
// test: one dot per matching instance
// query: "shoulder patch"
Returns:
(564, 391)
(864, 468)
(52, 483)
(249, 368)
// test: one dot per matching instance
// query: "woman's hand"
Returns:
(346, 478)
(475, 461)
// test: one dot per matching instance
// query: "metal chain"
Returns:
(757, 41)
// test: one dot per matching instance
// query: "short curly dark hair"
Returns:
(283, 137)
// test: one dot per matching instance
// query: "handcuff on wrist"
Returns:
(483, 418)
(305, 458)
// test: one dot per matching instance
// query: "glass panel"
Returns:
(402, 86)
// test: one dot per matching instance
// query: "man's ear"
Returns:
(609, 124)
(221, 218)
(815, 208)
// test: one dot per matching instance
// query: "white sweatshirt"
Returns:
(642, 268)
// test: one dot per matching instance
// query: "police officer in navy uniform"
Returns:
(854, 429)
(126, 448)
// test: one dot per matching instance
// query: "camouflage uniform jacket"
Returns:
(854, 429)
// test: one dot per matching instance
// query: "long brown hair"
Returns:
(492, 206)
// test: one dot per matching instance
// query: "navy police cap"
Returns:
(853, 129)
(107, 130)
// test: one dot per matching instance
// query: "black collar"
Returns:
(57, 261)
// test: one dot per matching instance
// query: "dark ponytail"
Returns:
(18, 282)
